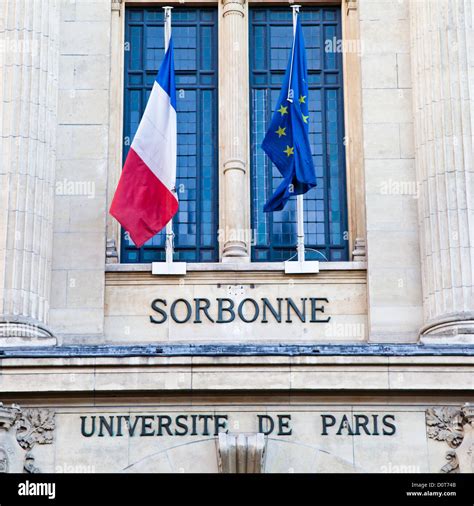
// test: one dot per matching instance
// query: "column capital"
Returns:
(236, 7)
(116, 5)
(351, 5)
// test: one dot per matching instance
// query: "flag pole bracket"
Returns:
(168, 268)
(306, 267)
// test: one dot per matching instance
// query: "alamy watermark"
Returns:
(336, 45)
(392, 187)
(75, 188)
(13, 46)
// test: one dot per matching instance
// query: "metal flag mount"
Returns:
(301, 266)
(169, 267)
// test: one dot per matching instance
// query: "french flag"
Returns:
(145, 201)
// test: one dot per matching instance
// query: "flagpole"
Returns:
(169, 244)
(299, 198)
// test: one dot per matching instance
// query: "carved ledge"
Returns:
(454, 426)
(28, 427)
(241, 453)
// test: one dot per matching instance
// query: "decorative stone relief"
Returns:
(241, 453)
(454, 426)
(26, 428)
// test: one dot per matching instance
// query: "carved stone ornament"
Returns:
(454, 426)
(241, 453)
(20, 430)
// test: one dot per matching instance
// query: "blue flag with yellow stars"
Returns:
(287, 141)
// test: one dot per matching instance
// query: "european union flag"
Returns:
(287, 141)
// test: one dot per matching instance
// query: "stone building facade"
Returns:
(364, 366)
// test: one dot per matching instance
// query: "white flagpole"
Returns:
(299, 198)
(169, 267)
(301, 266)
(169, 244)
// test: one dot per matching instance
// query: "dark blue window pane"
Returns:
(195, 36)
(325, 211)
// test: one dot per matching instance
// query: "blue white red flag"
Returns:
(145, 200)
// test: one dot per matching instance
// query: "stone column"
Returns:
(28, 95)
(234, 167)
(442, 46)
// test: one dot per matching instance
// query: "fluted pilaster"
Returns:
(28, 96)
(443, 87)
(234, 129)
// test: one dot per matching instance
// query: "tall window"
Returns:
(195, 43)
(325, 206)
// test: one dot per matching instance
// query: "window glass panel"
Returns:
(325, 210)
(195, 36)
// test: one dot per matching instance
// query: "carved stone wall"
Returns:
(455, 427)
(20, 430)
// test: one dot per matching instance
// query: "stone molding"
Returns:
(455, 427)
(28, 427)
(11, 328)
(234, 164)
(241, 453)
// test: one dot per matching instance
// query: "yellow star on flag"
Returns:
(302, 99)
(283, 110)
(305, 118)
(280, 131)
(289, 150)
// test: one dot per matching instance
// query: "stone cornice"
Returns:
(109, 375)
